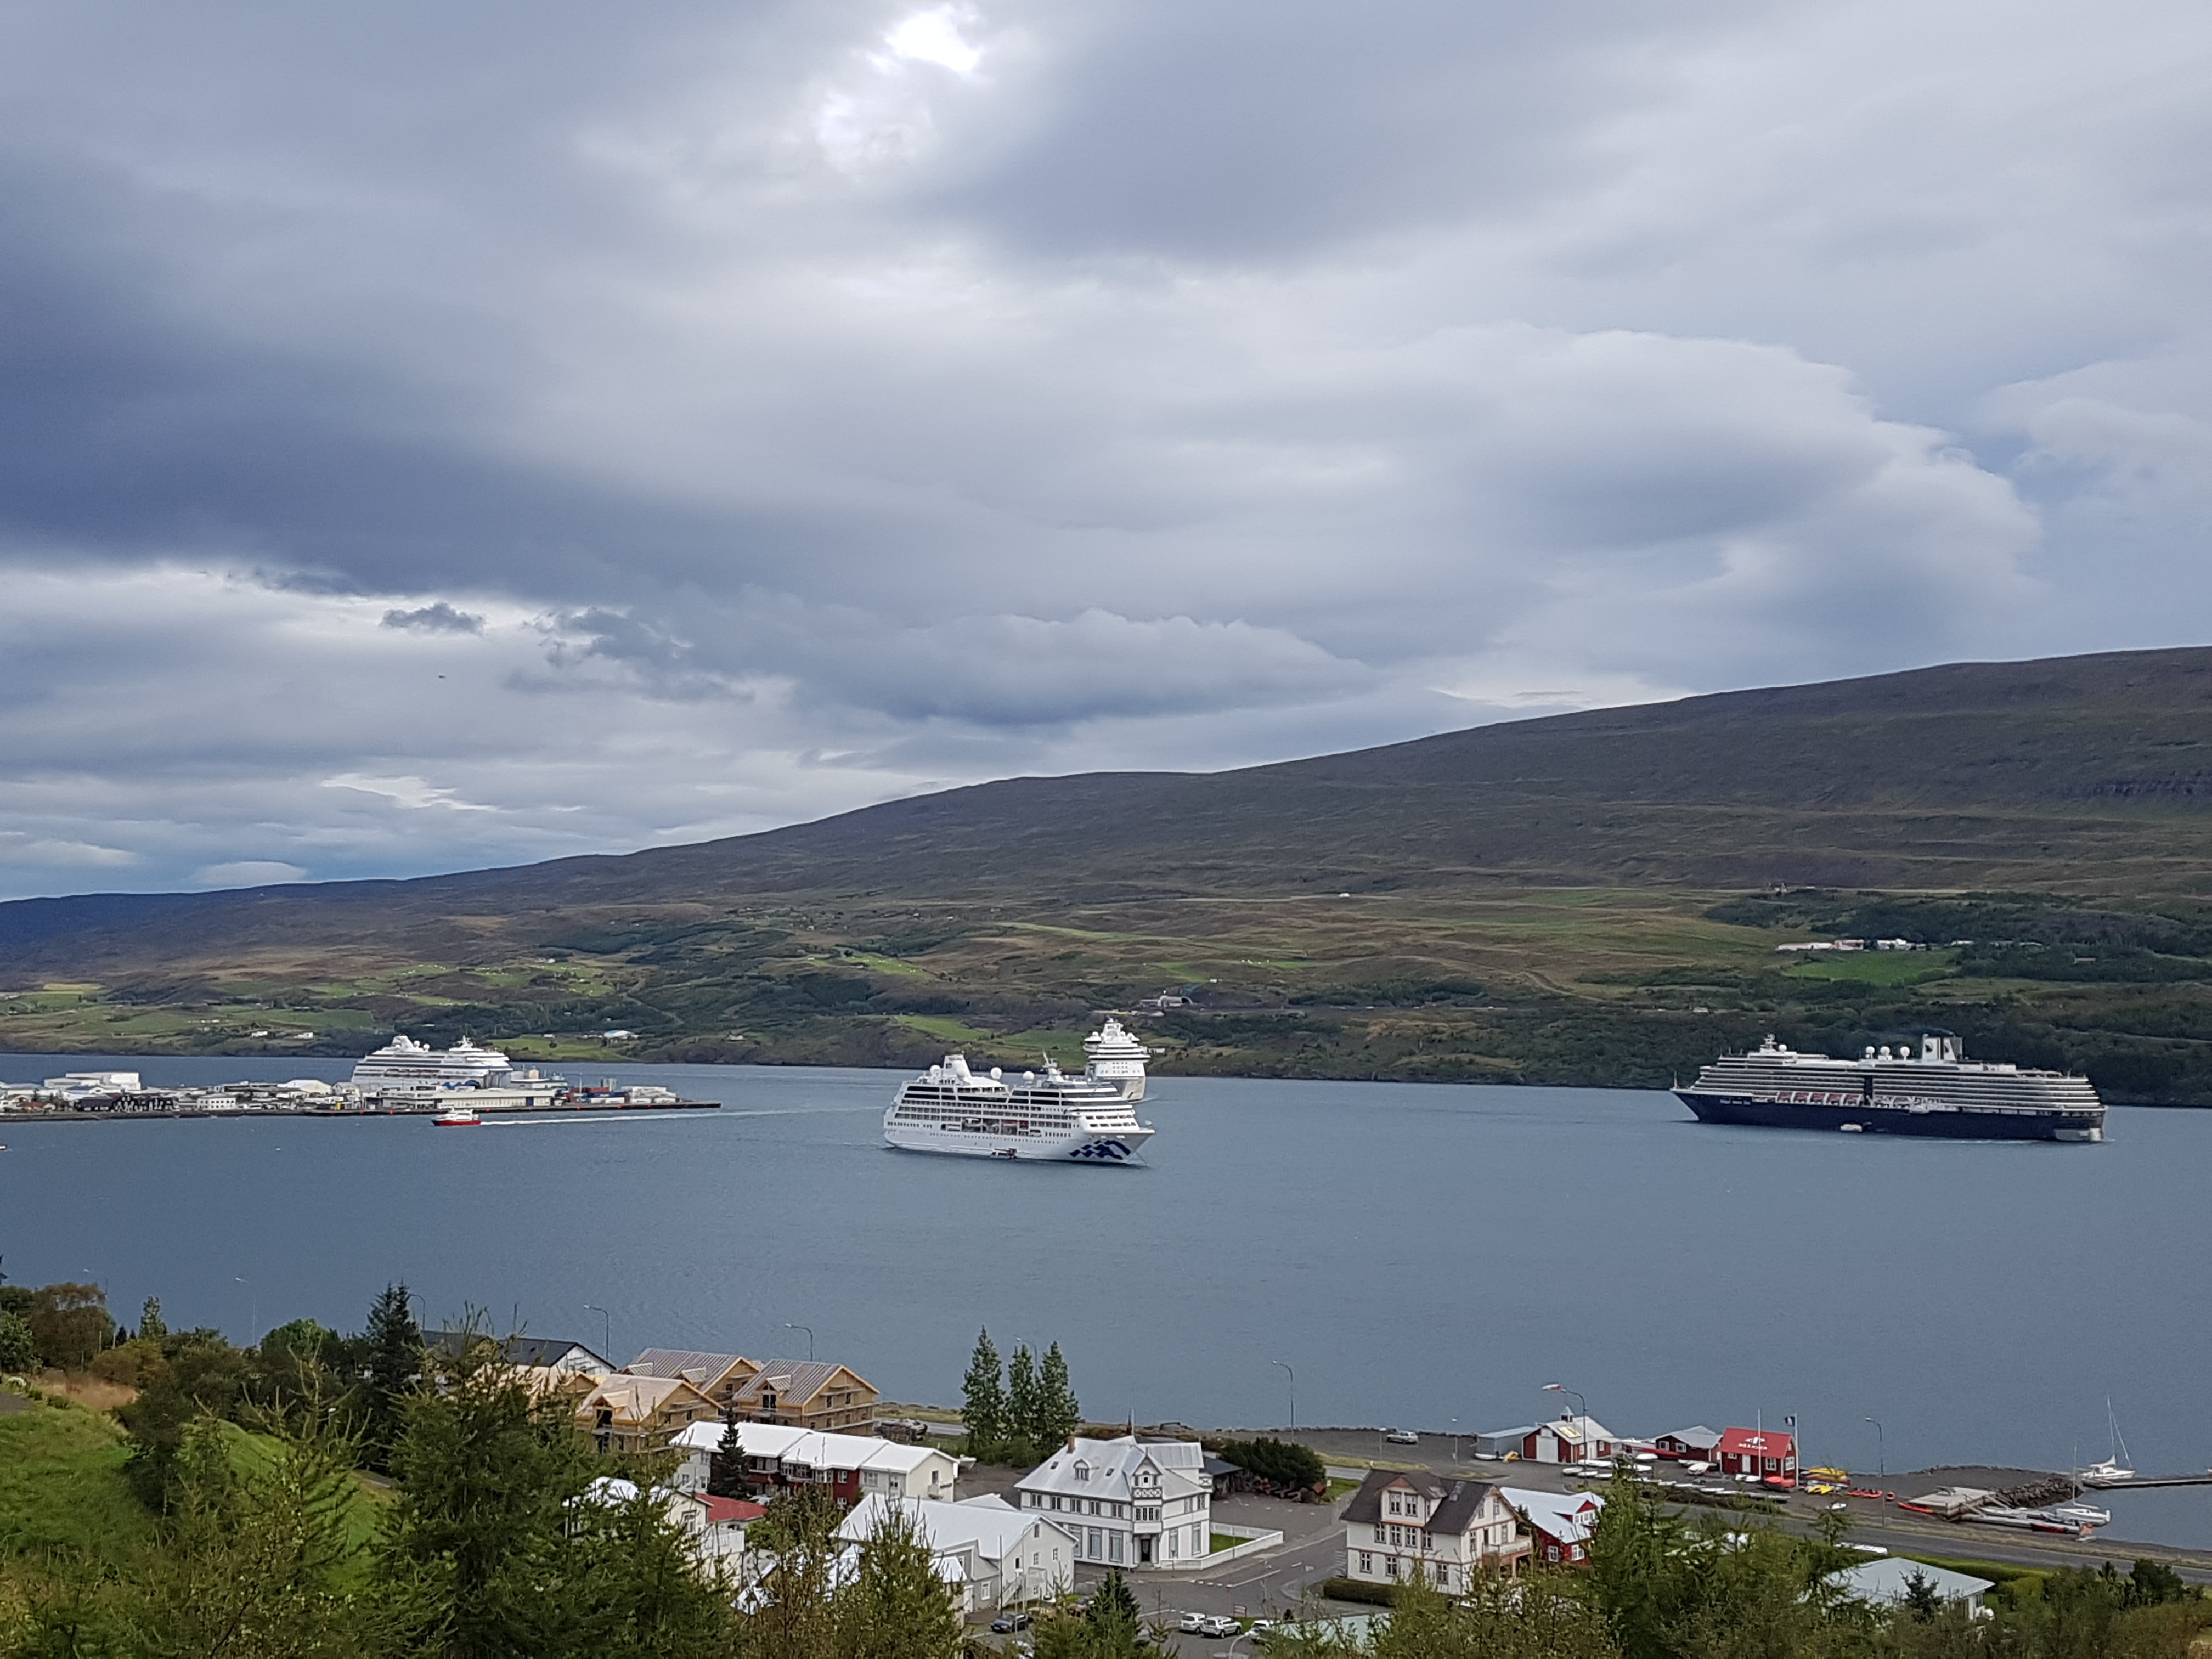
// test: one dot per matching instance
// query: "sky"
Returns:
(435, 436)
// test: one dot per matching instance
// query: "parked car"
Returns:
(1219, 1624)
(1402, 1437)
(1007, 1623)
(1190, 1622)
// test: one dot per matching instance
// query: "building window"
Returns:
(1381, 1533)
(1366, 1561)
(1094, 1543)
(1389, 1566)
(1114, 1544)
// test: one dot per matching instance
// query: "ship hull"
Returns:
(1117, 1146)
(1938, 1124)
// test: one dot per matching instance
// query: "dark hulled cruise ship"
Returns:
(1932, 1093)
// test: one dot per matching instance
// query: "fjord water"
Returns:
(1420, 1254)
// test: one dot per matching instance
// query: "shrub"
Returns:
(1356, 1589)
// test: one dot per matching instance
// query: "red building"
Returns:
(1767, 1453)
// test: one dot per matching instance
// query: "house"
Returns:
(995, 1555)
(714, 1527)
(717, 1375)
(805, 1394)
(1129, 1501)
(1404, 1520)
(852, 1466)
(1560, 1523)
(552, 1353)
(640, 1413)
(1697, 1444)
(1767, 1454)
(1503, 1443)
(1570, 1439)
(1888, 1582)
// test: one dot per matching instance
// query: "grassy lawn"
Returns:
(62, 1490)
(1893, 967)
(1223, 1541)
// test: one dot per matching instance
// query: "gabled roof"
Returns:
(795, 1380)
(812, 1447)
(1458, 1504)
(701, 1371)
(722, 1510)
(1566, 1518)
(1579, 1431)
(991, 1529)
(1100, 1468)
(1756, 1443)
(515, 1349)
(1702, 1438)
(1885, 1580)
(637, 1400)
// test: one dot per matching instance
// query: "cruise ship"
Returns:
(1934, 1093)
(1039, 1115)
(1117, 1058)
(404, 1067)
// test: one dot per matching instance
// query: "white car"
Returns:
(1402, 1437)
(1190, 1622)
(1220, 1624)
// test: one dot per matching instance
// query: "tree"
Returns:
(984, 1399)
(18, 1351)
(896, 1606)
(151, 1326)
(1058, 1413)
(725, 1470)
(1283, 1465)
(1022, 1400)
(391, 1370)
(1921, 1596)
(69, 1323)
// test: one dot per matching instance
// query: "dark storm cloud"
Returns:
(467, 435)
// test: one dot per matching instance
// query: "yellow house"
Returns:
(640, 1413)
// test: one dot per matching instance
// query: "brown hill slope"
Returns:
(2089, 774)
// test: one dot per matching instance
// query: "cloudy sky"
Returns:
(438, 435)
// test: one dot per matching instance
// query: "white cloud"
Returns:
(249, 873)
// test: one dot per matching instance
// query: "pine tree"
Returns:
(151, 1326)
(983, 1399)
(1058, 1413)
(896, 1606)
(725, 1470)
(1023, 1399)
(393, 1369)
(18, 1352)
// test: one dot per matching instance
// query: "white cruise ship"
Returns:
(404, 1067)
(1039, 1115)
(1934, 1093)
(1117, 1058)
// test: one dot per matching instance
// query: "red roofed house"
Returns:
(1763, 1452)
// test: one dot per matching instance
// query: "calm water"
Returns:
(1419, 1254)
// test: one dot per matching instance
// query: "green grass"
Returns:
(62, 1490)
(945, 1029)
(1223, 1541)
(1888, 968)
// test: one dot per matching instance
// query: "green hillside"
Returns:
(1593, 897)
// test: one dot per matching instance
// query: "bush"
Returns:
(1356, 1589)
(1282, 1465)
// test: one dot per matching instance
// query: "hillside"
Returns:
(1543, 892)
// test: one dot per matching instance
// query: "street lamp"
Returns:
(1881, 1452)
(1455, 1423)
(606, 1331)
(1581, 1408)
(1293, 1375)
(808, 1330)
(253, 1314)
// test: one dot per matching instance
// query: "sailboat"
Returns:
(2112, 1471)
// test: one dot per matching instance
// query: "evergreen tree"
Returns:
(1022, 1400)
(151, 1326)
(725, 1470)
(1058, 1413)
(896, 1606)
(983, 1399)
(392, 1372)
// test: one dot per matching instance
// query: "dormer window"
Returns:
(1082, 1470)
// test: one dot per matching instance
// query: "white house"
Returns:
(1886, 1583)
(1128, 1502)
(995, 1555)
(852, 1466)
(1401, 1520)
(715, 1527)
